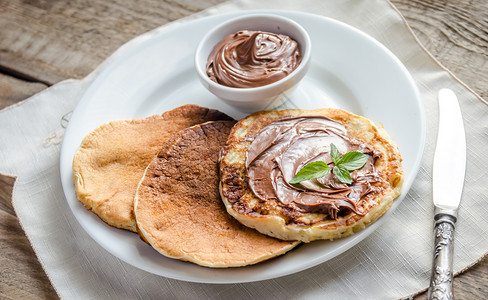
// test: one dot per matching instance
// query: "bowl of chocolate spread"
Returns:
(255, 61)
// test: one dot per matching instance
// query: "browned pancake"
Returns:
(179, 211)
(316, 209)
(111, 160)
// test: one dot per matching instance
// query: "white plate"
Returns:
(349, 70)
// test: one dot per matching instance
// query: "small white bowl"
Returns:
(263, 97)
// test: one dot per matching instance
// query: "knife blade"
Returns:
(448, 180)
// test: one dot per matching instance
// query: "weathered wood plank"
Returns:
(469, 285)
(6, 185)
(456, 33)
(21, 275)
(55, 40)
(13, 90)
(473, 283)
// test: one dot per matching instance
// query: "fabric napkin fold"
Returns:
(393, 262)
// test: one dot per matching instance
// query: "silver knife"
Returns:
(448, 181)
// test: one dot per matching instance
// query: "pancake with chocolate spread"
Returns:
(179, 211)
(111, 160)
(266, 150)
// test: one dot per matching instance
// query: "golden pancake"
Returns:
(266, 150)
(178, 208)
(111, 160)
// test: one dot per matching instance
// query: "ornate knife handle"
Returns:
(441, 278)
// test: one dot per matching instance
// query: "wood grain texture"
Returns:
(44, 42)
(14, 90)
(21, 275)
(456, 33)
(54, 40)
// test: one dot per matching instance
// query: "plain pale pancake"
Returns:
(179, 211)
(111, 160)
(269, 217)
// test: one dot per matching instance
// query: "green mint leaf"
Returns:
(353, 160)
(342, 174)
(312, 170)
(334, 154)
(344, 164)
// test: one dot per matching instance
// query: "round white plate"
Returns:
(349, 70)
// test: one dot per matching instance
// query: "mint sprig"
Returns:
(343, 165)
(312, 170)
(342, 174)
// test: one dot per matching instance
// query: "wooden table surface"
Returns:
(44, 42)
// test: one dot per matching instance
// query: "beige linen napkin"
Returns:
(393, 262)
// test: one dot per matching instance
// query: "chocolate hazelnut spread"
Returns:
(252, 58)
(285, 146)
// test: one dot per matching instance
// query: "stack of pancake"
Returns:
(173, 179)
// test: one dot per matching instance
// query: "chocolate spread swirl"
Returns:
(285, 146)
(252, 58)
